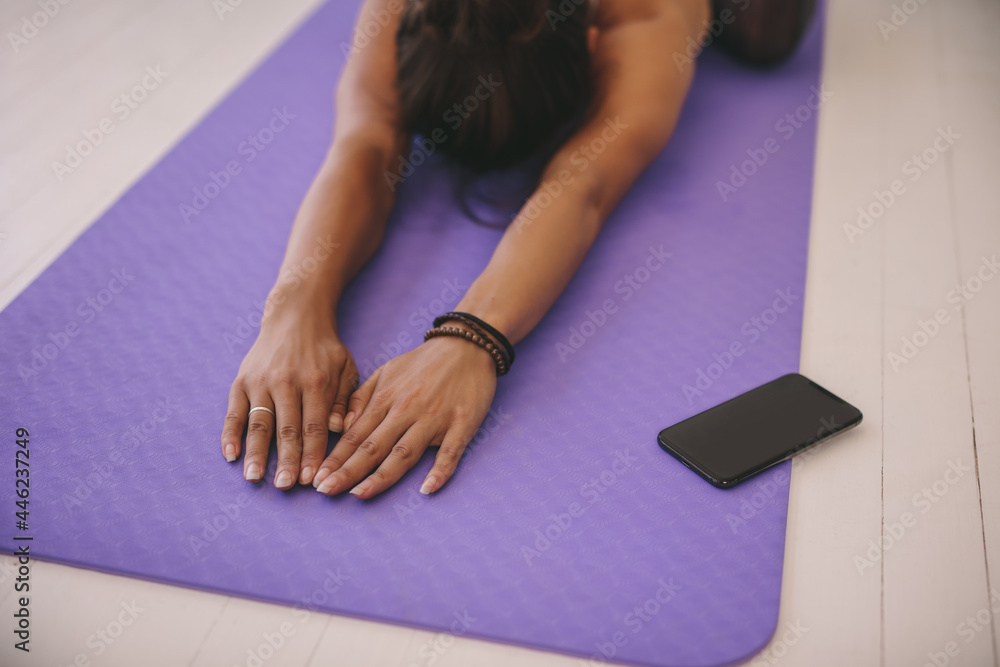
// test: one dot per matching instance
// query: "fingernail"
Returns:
(327, 484)
(348, 420)
(322, 474)
(429, 485)
(307, 475)
(361, 488)
(336, 423)
(283, 479)
(230, 452)
(253, 473)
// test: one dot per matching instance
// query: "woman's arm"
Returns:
(298, 366)
(439, 392)
(350, 198)
(640, 94)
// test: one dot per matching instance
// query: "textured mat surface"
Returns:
(566, 527)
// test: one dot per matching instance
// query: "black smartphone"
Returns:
(759, 429)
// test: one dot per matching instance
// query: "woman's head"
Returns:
(491, 81)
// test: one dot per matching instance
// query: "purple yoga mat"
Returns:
(566, 527)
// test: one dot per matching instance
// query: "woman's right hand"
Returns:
(300, 370)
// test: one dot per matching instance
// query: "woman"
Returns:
(536, 68)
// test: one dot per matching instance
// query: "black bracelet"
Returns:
(480, 339)
(472, 321)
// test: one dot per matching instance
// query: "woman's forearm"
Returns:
(341, 221)
(638, 103)
(338, 227)
(535, 259)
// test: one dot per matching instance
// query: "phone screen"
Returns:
(759, 429)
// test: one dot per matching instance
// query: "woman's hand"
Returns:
(436, 394)
(299, 369)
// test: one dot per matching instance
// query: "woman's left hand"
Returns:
(437, 394)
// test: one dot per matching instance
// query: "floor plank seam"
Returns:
(882, 288)
(319, 640)
(208, 632)
(949, 163)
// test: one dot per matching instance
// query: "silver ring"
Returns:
(260, 407)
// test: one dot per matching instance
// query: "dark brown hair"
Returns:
(763, 33)
(492, 81)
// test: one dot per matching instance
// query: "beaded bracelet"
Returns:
(498, 357)
(478, 325)
(482, 334)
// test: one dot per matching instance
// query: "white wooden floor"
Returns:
(924, 467)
